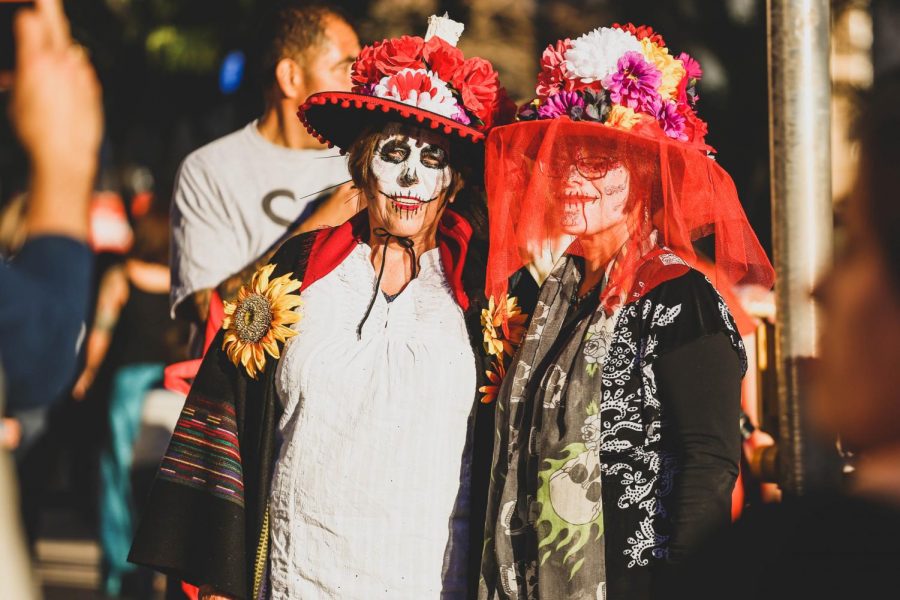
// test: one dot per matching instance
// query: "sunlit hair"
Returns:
(151, 238)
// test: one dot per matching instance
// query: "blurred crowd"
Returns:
(107, 301)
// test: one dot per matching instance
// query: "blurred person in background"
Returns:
(131, 341)
(238, 197)
(44, 290)
(828, 544)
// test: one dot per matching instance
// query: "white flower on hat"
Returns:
(595, 55)
(420, 88)
(445, 28)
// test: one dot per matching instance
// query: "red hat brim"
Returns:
(337, 118)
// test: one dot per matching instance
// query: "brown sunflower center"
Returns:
(252, 318)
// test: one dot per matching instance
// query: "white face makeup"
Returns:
(412, 171)
(592, 203)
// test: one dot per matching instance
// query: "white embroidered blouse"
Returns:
(367, 484)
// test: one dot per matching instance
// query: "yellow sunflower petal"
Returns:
(258, 355)
(286, 318)
(287, 303)
(260, 279)
(283, 333)
(290, 285)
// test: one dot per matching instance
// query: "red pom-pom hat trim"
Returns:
(336, 118)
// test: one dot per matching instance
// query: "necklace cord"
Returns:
(407, 245)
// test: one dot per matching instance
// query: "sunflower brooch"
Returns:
(503, 325)
(259, 319)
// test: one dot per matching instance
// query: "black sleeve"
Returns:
(699, 385)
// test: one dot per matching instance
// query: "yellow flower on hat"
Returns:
(671, 68)
(259, 319)
(622, 117)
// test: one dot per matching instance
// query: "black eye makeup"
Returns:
(434, 157)
(394, 151)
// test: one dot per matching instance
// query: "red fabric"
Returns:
(737, 497)
(675, 188)
(178, 376)
(332, 246)
(746, 323)
(632, 280)
(192, 592)
(454, 234)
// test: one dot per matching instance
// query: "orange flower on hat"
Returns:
(258, 321)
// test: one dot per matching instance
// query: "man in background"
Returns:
(237, 198)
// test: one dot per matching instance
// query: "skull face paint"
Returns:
(412, 172)
(593, 201)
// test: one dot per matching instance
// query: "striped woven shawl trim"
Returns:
(204, 452)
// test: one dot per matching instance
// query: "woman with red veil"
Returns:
(617, 440)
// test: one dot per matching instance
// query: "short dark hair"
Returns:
(288, 30)
(878, 129)
(151, 238)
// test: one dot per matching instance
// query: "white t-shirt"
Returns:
(369, 485)
(234, 200)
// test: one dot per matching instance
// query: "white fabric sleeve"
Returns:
(205, 250)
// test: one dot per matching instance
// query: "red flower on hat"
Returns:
(394, 55)
(644, 31)
(364, 69)
(552, 78)
(477, 83)
(443, 59)
(694, 127)
(504, 109)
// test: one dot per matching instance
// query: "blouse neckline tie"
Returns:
(407, 245)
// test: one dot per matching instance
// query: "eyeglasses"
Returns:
(589, 167)
(595, 167)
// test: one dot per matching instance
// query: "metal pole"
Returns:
(800, 154)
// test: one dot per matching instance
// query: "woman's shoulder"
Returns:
(687, 307)
(690, 286)
(295, 246)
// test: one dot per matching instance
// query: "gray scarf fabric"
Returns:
(547, 539)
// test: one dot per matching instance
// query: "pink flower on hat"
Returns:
(635, 82)
(670, 119)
